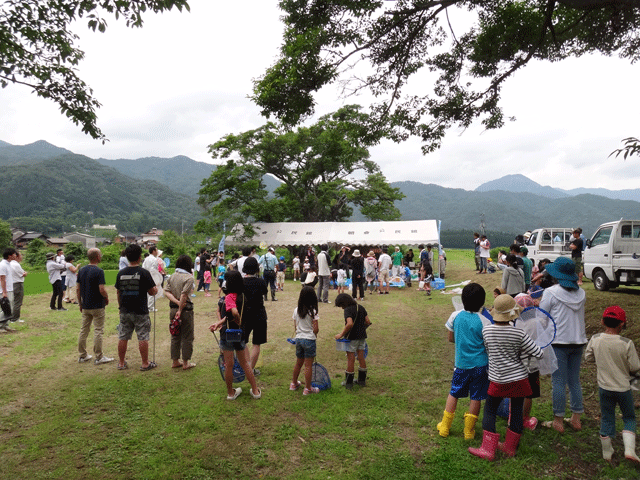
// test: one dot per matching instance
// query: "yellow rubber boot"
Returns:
(445, 425)
(470, 425)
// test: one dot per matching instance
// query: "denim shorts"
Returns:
(473, 382)
(354, 345)
(305, 348)
(231, 346)
(134, 321)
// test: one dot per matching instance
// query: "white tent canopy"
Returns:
(412, 232)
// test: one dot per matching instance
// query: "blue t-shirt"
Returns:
(467, 331)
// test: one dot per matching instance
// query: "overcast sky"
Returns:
(182, 81)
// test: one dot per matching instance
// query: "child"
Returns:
(342, 279)
(296, 268)
(305, 319)
(533, 367)
(471, 364)
(207, 281)
(306, 265)
(234, 308)
(281, 268)
(508, 377)
(617, 361)
(356, 322)
(221, 271)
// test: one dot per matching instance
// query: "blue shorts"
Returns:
(305, 348)
(473, 382)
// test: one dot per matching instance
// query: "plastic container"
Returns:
(437, 284)
(342, 344)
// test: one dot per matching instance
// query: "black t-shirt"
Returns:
(357, 265)
(577, 252)
(90, 277)
(358, 314)
(134, 283)
(255, 288)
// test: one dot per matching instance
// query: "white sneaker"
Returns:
(20, 320)
(85, 359)
(103, 359)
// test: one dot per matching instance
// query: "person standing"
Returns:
(133, 284)
(384, 265)
(18, 288)
(268, 262)
(71, 279)
(6, 286)
(122, 262)
(54, 269)
(397, 262)
(527, 267)
(178, 291)
(485, 249)
(357, 276)
(576, 253)
(476, 250)
(152, 265)
(324, 274)
(442, 261)
(92, 298)
(60, 258)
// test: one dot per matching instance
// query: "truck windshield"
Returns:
(601, 237)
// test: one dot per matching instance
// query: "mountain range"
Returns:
(49, 181)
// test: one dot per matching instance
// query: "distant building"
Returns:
(23, 240)
(152, 237)
(104, 227)
(125, 237)
(57, 242)
(87, 241)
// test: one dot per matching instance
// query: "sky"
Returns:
(182, 82)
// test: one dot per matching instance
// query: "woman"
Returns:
(178, 291)
(255, 315)
(371, 267)
(512, 277)
(565, 303)
(357, 275)
(71, 279)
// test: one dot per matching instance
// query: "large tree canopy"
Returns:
(392, 41)
(37, 48)
(323, 170)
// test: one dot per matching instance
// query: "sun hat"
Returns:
(271, 249)
(371, 254)
(616, 313)
(159, 252)
(356, 253)
(524, 300)
(505, 309)
(564, 270)
(50, 255)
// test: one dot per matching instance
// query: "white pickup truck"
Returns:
(612, 257)
(549, 243)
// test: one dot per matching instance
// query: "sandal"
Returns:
(188, 366)
(549, 424)
(123, 367)
(236, 394)
(177, 366)
(256, 395)
(151, 366)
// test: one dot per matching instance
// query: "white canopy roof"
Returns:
(413, 232)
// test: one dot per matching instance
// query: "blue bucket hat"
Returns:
(564, 270)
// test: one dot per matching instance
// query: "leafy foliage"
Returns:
(390, 42)
(35, 255)
(324, 169)
(631, 147)
(5, 235)
(37, 48)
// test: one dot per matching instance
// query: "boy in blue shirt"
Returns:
(470, 377)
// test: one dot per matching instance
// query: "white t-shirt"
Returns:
(304, 326)
(384, 262)
(72, 278)
(484, 252)
(17, 271)
(5, 269)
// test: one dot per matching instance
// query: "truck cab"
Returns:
(612, 257)
(549, 243)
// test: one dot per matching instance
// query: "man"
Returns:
(55, 269)
(397, 262)
(238, 264)
(576, 253)
(476, 250)
(384, 265)
(268, 263)
(6, 286)
(92, 298)
(324, 274)
(515, 251)
(442, 261)
(152, 265)
(18, 287)
(527, 266)
(61, 260)
(133, 284)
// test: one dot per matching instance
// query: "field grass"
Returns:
(61, 419)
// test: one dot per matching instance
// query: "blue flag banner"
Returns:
(221, 244)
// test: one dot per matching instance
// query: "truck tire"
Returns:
(600, 281)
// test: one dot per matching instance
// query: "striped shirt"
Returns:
(505, 345)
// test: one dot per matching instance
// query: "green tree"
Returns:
(35, 255)
(76, 249)
(631, 147)
(5, 235)
(172, 244)
(37, 48)
(324, 170)
(393, 41)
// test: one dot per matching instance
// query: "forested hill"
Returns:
(60, 192)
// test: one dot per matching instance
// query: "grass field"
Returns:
(61, 419)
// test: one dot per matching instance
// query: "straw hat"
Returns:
(505, 309)
(371, 254)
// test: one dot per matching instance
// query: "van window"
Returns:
(601, 237)
(630, 231)
(532, 238)
(546, 237)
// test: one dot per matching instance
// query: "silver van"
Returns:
(612, 257)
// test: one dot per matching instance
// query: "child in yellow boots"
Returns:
(470, 377)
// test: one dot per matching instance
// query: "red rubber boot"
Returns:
(489, 445)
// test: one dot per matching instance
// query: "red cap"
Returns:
(615, 312)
